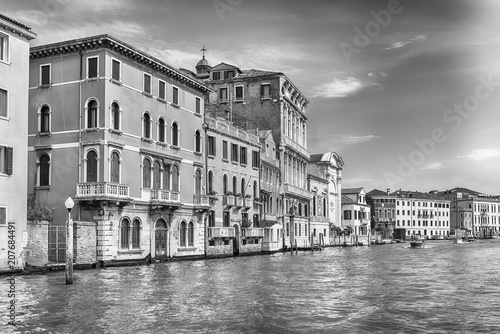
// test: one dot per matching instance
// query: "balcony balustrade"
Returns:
(269, 216)
(102, 191)
(255, 232)
(221, 232)
(228, 200)
(290, 188)
(164, 196)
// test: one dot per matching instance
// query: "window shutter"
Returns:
(9, 156)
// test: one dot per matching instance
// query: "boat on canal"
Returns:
(417, 243)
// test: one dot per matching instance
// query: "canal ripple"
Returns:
(445, 288)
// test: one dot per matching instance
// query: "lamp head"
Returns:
(69, 203)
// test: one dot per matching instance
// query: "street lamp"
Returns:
(69, 203)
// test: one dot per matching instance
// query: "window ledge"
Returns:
(238, 101)
(42, 187)
(210, 156)
(175, 147)
(117, 82)
(147, 140)
(265, 98)
(243, 165)
(186, 249)
(45, 85)
(234, 162)
(162, 100)
(92, 79)
(198, 153)
(5, 62)
(91, 130)
(255, 168)
(160, 143)
(5, 118)
(175, 105)
(223, 101)
(43, 134)
(130, 251)
(147, 94)
(119, 132)
(197, 114)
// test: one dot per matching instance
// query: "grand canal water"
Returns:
(444, 288)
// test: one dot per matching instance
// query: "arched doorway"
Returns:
(236, 240)
(161, 240)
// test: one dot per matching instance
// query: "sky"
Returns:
(406, 92)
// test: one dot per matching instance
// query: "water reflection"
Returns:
(443, 288)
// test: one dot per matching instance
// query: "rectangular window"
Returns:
(239, 93)
(224, 150)
(265, 91)
(4, 47)
(161, 89)
(255, 159)
(215, 75)
(347, 214)
(6, 158)
(228, 75)
(115, 70)
(211, 145)
(226, 220)
(147, 83)
(222, 94)
(45, 75)
(243, 155)
(3, 215)
(234, 153)
(3, 103)
(198, 105)
(175, 95)
(92, 68)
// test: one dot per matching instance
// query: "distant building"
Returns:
(15, 40)
(122, 133)
(419, 214)
(476, 212)
(356, 215)
(326, 203)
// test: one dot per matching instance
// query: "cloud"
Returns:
(400, 44)
(481, 154)
(338, 88)
(433, 166)
(349, 139)
(377, 74)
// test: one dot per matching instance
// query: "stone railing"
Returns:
(252, 232)
(221, 232)
(102, 189)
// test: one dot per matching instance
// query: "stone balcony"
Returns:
(295, 190)
(228, 200)
(103, 191)
(221, 232)
(252, 232)
(316, 219)
(296, 146)
(163, 198)
(202, 202)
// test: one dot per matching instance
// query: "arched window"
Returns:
(182, 235)
(175, 134)
(224, 184)
(197, 183)
(146, 126)
(125, 233)
(115, 116)
(191, 234)
(235, 185)
(115, 167)
(161, 130)
(160, 224)
(324, 207)
(92, 114)
(175, 178)
(156, 175)
(243, 186)
(45, 119)
(314, 206)
(146, 174)
(210, 182)
(197, 141)
(166, 177)
(44, 170)
(92, 166)
(136, 237)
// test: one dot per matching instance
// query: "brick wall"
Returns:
(36, 252)
(251, 248)
(84, 242)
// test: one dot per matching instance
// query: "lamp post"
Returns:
(69, 203)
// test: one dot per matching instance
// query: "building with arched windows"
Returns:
(121, 132)
(15, 40)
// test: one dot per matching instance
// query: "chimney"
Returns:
(388, 191)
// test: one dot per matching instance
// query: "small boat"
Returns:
(417, 243)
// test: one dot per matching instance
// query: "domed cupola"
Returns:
(202, 67)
